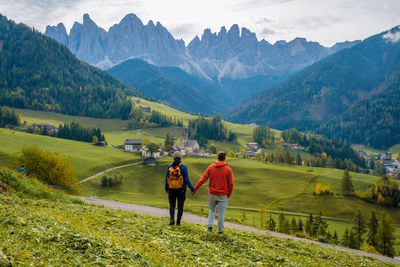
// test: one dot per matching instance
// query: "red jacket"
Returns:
(221, 179)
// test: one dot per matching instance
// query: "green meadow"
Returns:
(40, 227)
(257, 184)
(87, 159)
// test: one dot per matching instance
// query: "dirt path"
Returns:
(111, 169)
(191, 218)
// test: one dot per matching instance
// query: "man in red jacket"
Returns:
(220, 189)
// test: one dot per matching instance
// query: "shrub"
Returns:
(109, 181)
(321, 189)
(50, 168)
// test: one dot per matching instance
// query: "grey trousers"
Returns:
(213, 202)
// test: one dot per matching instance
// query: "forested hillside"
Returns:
(373, 122)
(37, 72)
(336, 86)
(155, 84)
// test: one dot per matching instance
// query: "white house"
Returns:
(132, 145)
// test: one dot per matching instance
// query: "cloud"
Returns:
(185, 30)
(250, 4)
(264, 21)
(267, 31)
(392, 37)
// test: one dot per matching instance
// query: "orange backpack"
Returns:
(175, 179)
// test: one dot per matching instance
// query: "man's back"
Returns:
(221, 179)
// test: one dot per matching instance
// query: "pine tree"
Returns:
(372, 226)
(293, 226)
(300, 226)
(335, 238)
(359, 228)
(385, 236)
(299, 160)
(281, 222)
(309, 224)
(347, 184)
(271, 224)
(345, 241)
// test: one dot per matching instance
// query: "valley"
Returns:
(310, 131)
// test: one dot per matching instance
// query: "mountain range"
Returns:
(230, 54)
(353, 94)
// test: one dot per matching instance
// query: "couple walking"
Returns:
(220, 188)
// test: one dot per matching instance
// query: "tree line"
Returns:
(76, 131)
(8, 116)
(374, 235)
(203, 129)
(334, 148)
(139, 119)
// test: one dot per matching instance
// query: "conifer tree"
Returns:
(281, 222)
(347, 184)
(300, 225)
(345, 241)
(372, 226)
(309, 224)
(293, 225)
(335, 238)
(359, 228)
(271, 224)
(299, 160)
(385, 236)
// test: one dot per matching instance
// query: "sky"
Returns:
(326, 22)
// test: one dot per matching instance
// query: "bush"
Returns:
(321, 189)
(109, 181)
(50, 168)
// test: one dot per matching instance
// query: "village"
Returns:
(391, 166)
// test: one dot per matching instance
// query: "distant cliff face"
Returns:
(233, 54)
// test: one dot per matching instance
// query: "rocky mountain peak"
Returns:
(235, 53)
(132, 20)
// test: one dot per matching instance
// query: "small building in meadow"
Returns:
(49, 126)
(252, 145)
(133, 145)
(149, 161)
(295, 146)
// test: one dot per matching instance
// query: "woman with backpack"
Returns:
(176, 181)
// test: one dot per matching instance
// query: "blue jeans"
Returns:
(213, 202)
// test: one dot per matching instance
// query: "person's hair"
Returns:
(176, 162)
(221, 156)
(22, 165)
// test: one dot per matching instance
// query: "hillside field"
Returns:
(37, 230)
(87, 159)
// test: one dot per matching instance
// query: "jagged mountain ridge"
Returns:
(232, 54)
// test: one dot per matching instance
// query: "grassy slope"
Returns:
(112, 128)
(44, 232)
(87, 159)
(276, 187)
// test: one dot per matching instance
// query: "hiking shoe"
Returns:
(171, 222)
(178, 223)
(209, 229)
(221, 233)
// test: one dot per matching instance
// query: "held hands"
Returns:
(193, 193)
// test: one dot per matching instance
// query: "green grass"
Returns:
(34, 116)
(44, 232)
(87, 159)
(275, 186)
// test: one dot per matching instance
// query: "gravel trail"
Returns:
(191, 218)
